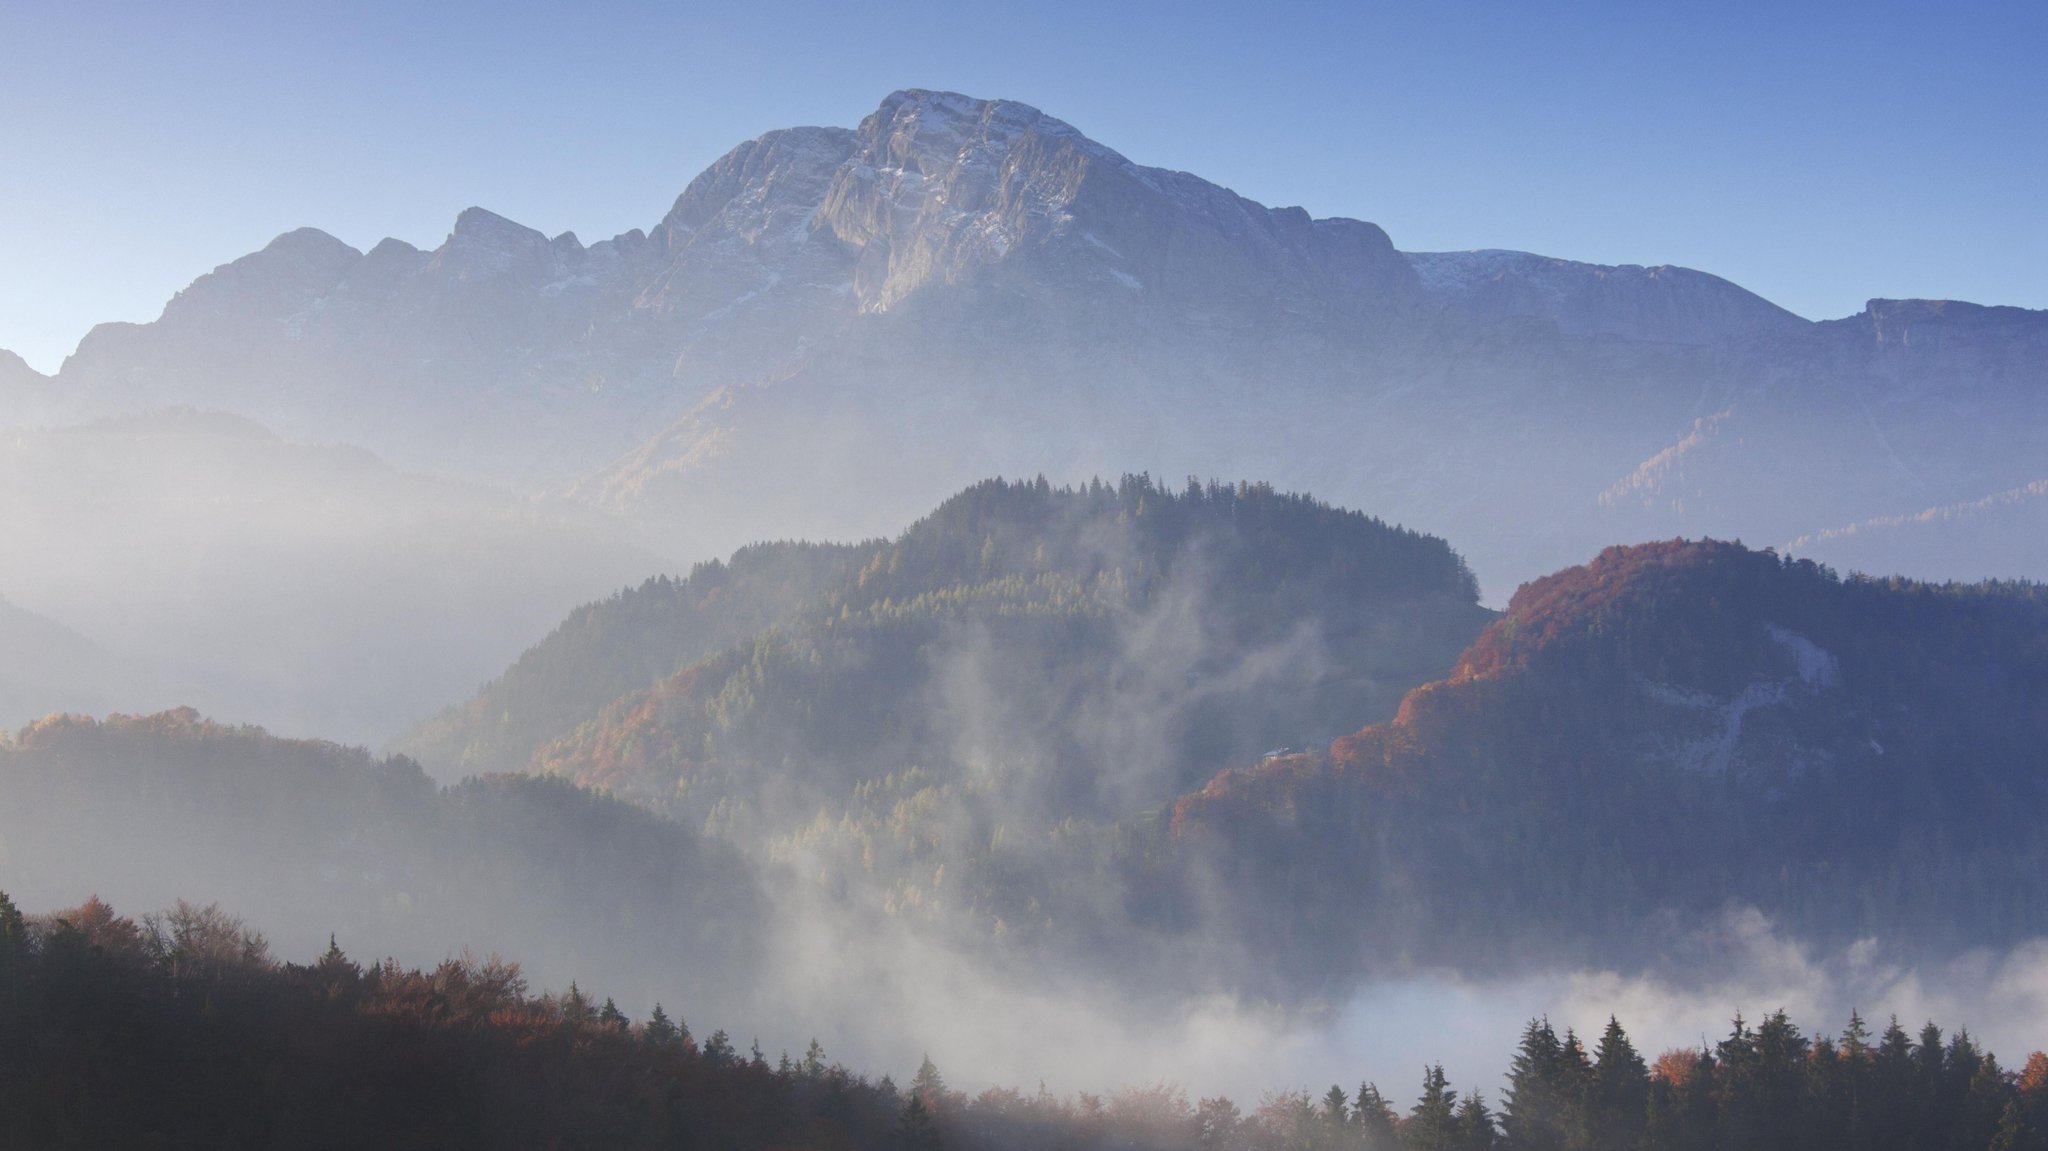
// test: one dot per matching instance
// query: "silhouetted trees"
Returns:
(183, 1030)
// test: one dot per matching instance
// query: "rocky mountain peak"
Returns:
(479, 228)
(775, 180)
(484, 244)
(931, 130)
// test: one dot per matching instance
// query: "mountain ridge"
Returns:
(1682, 725)
(927, 297)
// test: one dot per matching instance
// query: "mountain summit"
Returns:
(833, 327)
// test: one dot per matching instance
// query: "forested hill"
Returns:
(1671, 727)
(621, 644)
(1018, 622)
(310, 838)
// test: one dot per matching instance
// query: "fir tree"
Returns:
(1375, 1118)
(1618, 1104)
(1476, 1131)
(575, 1005)
(920, 1132)
(1433, 1123)
(718, 1048)
(1336, 1114)
(659, 1030)
(928, 1085)
(1533, 1107)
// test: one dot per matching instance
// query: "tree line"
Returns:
(182, 1030)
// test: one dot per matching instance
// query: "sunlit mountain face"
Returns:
(834, 328)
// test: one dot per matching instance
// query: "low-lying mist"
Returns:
(882, 1000)
(195, 559)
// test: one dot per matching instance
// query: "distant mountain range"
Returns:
(834, 328)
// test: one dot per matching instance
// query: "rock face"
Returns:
(832, 328)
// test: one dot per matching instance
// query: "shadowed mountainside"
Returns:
(1647, 738)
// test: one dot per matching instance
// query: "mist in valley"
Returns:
(923, 629)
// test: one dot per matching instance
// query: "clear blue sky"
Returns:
(1817, 153)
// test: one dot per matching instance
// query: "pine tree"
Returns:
(929, 1085)
(814, 1060)
(1336, 1113)
(659, 1030)
(1854, 1082)
(575, 1005)
(1533, 1108)
(2014, 1132)
(718, 1048)
(1891, 1081)
(1978, 1115)
(1433, 1122)
(610, 1017)
(1618, 1104)
(1476, 1131)
(1376, 1120)
(1574, 1086)
(919, 1131)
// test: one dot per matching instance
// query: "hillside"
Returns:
(311, 838)
(1647, 738)
(1114, 643)
(622, 644)
(47, 667)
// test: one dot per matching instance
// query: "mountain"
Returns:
(1663, 304)
(2004, 531)
(314, 587)
(1641, 741)
(16, 375)
(833, 328)
(311, 839)
(1098, 647)
(625, 643)
(46, 667)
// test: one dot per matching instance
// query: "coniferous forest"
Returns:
(182, 1030)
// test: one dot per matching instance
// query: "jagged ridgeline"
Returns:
(1117, 642)
(1649, 738)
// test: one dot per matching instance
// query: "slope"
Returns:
(1641, 740)
(310, 838)
(1045, 633)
